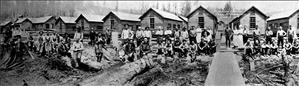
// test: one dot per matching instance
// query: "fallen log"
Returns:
(118, 76)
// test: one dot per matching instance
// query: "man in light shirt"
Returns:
(147, 33)
(76, 49)
(168, 33)
(78, 34)
(139, 33)
(280, 35)
(198, 34)
(125, 33)
(290, 35)
(184, 34)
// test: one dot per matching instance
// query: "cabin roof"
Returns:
(163, 14)
(66, 19)
(91, 17)
(201, 7)
(284, 14)
(41, 19)
(124, 16)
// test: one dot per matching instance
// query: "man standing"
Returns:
(92, 36)
(139, 36)
(192, 35)
(77, 48)
(78, 34)
(125, 34)
(290, 33)
(184, 34)
(198, 34)
(228, 36)
(148, 34)
(269, 34)
(280, 35)
(168, 33)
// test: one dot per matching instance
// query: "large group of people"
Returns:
(281, 42)
(184, 43)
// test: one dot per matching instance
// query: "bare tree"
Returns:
(186, 8)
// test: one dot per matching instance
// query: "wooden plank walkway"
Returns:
(224, 70)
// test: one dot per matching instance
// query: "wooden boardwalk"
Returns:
(224, 70)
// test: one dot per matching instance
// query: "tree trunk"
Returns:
(118, 76)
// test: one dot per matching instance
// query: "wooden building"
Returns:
(66, 24)
(284, 19)
(202, 18)
(87, 22)
(154, 18)
(5, 26)
(185, 21)
(117, 20)
(43, 23)
(251, 18)
(24, 24)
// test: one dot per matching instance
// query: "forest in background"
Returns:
(13, 9)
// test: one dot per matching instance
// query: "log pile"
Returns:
(119, 76)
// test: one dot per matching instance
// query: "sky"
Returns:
(266, 6)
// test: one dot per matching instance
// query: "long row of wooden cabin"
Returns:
(115, 21)
(154, 19)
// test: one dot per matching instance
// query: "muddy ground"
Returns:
(51, 71)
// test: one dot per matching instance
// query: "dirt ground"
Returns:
(42, 72)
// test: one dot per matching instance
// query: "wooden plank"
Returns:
(224, 71)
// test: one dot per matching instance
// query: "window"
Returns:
(169, 25)
(179, 26)
(174, 25)
(100, 27)
(252, 22)
(60, 24)
(201, 21)
(112, 24)
(47, 26)
(152, 22)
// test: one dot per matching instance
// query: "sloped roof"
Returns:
(5, 23)
(20, 20)
(281, 15)
(124, 16)
(252, 8)
(91, 17)
(163, 14)
(68, 19)
(201, 7)
(184, 18)
(40, 19)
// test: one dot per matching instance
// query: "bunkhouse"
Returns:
(5, 26)
(88, 21)
(285, 20)
(24, 24)
(202, 18)
(185, 21)
(66, 24)
(43, 23)
(117, 20)
(154, 18)
(251, 19)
